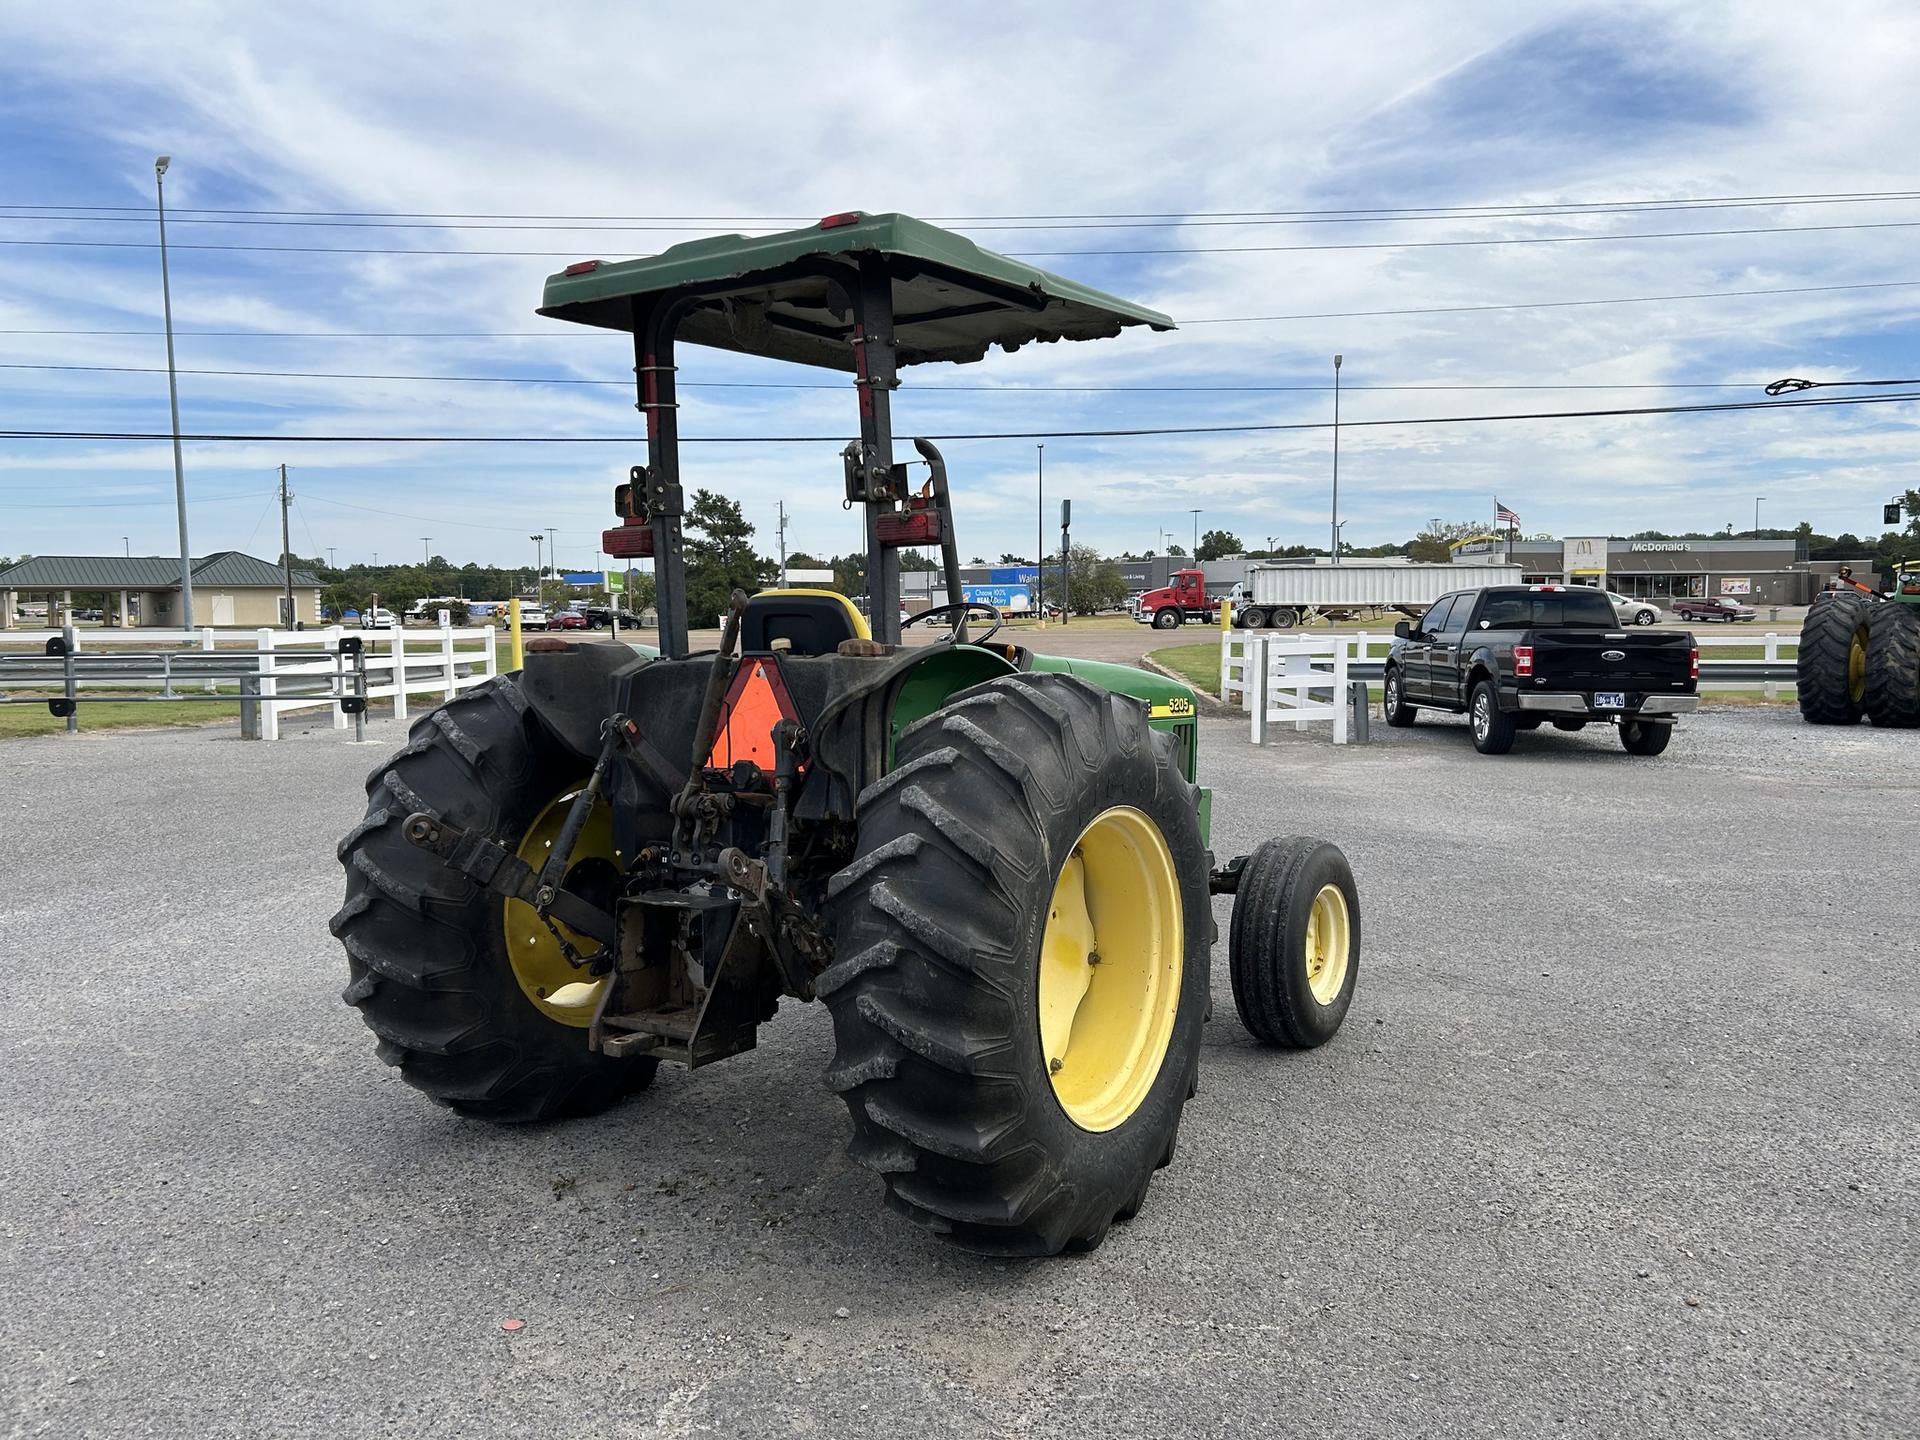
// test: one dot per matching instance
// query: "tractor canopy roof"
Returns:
(785, 296)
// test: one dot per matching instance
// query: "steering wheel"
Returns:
(965, 608)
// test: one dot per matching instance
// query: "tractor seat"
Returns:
(811, 622)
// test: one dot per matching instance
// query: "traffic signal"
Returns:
(1890, 513)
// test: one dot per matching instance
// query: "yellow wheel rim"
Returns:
(558, 990)
(1110, 963)
(1857, 666)
(1329, 944)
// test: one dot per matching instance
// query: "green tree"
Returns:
(1217, 544)
(1093, 584)
(1007, 557)
(1177, 552)
(720, 556)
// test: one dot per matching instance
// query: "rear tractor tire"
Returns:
(472, 999)
(1022, 949)
(1831, 671)
(1893, 666)
(1294, 946)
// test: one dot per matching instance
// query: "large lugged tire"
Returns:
(1831, 671)
(426, 946)
(1167, 617)
(1030, 879)
(1893, 666)
(1294, 944)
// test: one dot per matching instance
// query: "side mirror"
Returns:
(1403, 630)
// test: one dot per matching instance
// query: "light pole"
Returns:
(553, 561)
(1336, 458)
(1040, 531)
(173, 398)
(332, 564)
(127, 545)
(1195, 552)
(1756, 515)
(537, 539)
(426, 549)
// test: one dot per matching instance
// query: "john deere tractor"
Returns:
(1860, 653)
(992, 865)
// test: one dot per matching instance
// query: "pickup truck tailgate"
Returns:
(1578, 659)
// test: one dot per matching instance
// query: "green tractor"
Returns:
(992, 865)
(1860, 653)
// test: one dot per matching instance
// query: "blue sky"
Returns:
(492, 109)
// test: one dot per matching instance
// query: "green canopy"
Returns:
(775, 295)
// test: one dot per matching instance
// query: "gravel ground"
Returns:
(1618, 1140)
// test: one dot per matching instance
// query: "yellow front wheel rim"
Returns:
(1857, 665)
(556, 988)
(1329, 944)
(1110, 967)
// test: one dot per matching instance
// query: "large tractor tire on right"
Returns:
(1831, 671)
(1893, 666)
(1022, 950)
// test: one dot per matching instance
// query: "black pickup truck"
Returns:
(1512, 656)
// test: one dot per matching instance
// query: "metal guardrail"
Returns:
(66, 668)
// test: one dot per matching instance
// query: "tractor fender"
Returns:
(572, 686)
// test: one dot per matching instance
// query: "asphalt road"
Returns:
(1619, 1139)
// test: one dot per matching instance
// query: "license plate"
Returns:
(1609, 700)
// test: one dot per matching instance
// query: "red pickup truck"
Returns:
(1711, 607)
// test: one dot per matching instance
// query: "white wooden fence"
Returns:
(439, 663)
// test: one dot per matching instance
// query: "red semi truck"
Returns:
(1173, 605)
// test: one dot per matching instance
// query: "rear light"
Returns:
(633, 540)
(1549, 589)
(581, 267)
(1693, 663)
(845, 217)
(1523, 661)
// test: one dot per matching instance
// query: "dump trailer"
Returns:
(1282, 596)
(991, 865)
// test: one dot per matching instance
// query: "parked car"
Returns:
(1632, 611)
(378, 619)
(1514, 656)
(532, 617)
(1711, 607)
(568, 620)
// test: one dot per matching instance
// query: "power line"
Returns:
(572, 332)
(1714, 407)
(1056, 220)
(598, 225)
(850, 384)
(129, 504)
(1021, 254)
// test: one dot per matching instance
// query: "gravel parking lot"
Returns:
(1619, 1139)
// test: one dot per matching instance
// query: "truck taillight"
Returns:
(1693, 663)
(1523, 661)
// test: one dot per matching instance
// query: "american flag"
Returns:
(1504, 516)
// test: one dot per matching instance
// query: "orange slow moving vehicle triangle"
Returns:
(756, 702)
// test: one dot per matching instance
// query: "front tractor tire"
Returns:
(1294, 945)
(428, 951)
(1831, 668)
(1023, 944)
(1167, 617)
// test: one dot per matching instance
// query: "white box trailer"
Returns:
(1281, 596)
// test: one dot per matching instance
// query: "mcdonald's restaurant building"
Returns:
(1755, 572)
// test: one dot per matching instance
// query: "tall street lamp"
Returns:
(1195, 552)
(1336, 458)
(426, 549)
(1040, 530)
(1756, 515)
(538, 538)
(173, 399)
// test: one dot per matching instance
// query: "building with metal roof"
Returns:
(229, 588)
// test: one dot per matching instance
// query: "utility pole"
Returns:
(1756, 515)
(1066, 587)
(783, 544)
(1040, 532)
(286, 552)
(1336, 458)
(126, 544)
(332, 564)
(537, 538)
(173, 399)
(426, 549)
(1194, 554)
(553, 555)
